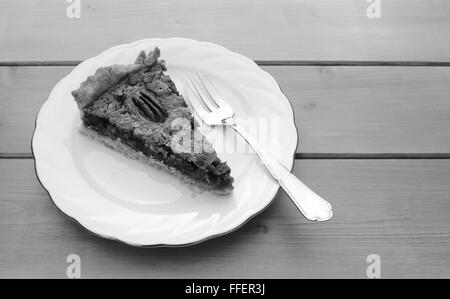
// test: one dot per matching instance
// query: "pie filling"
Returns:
(214, 175)
(139, 106)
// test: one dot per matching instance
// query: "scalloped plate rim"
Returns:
(251, 212)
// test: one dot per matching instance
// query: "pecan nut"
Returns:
(149, 107)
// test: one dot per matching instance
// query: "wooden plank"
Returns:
(369, 109)
(338, 109)
(396, 209)
(262, 30)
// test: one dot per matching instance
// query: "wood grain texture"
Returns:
(396, 209)
(293, 30)
(338, 109)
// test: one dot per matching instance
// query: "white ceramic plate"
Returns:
(126, 200)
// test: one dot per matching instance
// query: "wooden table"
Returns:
(372, 104)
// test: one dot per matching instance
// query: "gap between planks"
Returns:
(316, 156)
(259, 62)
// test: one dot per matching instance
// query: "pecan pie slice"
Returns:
(137, 110)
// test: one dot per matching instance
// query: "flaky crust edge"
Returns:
(128, 152)
(106, 77)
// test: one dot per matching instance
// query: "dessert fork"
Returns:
(213, 110)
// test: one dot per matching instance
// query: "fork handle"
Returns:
(310, 204)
